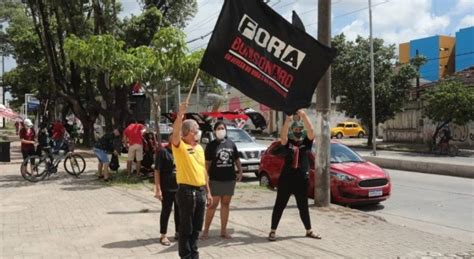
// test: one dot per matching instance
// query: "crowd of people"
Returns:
(48, 135)
(194, 181)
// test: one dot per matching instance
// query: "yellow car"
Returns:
(347, 129)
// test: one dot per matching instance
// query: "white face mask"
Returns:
(197, 137)
(220, 134)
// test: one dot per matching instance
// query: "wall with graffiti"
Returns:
(410, 126)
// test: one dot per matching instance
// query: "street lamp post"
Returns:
(3, 85)
(372, 83)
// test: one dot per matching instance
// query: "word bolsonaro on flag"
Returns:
(268, 59)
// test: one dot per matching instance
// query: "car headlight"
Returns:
(343, 177)
(386, 173)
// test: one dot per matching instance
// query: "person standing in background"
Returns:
(165, 190)
(133, 140)
(222, 157)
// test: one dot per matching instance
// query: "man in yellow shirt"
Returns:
(192, 181)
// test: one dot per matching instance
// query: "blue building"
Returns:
(464, 48)
(438, 51)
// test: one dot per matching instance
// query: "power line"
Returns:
(351, 12)
(200, 37)
(443, 57)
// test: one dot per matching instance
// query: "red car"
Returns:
(353, 180)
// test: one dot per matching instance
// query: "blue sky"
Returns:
(395, 21)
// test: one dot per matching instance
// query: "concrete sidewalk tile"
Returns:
(104, 222)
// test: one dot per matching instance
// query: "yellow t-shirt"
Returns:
(190, 164)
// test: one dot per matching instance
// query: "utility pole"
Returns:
(322, 192)
(3, 85)
(372, 84)
(166, 92)
(417, 76)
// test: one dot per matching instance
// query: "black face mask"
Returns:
(298, 135)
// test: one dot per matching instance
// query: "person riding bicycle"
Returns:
(446, 136)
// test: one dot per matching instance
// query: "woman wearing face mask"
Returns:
(295, 146)
(222, 157)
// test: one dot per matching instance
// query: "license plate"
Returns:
(375, 193)
(252, 167)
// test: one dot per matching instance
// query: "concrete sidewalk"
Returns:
(424, 163)
(72, 218)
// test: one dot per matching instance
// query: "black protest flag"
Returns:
(296, 21)
(267, 58)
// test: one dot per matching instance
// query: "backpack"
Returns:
(114, 163)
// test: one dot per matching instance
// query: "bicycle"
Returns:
(445, 148)
(37, 167)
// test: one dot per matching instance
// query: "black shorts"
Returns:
(27, 153)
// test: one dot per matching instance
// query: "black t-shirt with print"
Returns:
(288, 150)
(222, 155)
(164, 163)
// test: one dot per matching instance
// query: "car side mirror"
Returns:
(205, 140)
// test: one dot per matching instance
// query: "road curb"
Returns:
(459, 170)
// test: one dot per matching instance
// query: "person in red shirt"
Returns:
(132, 139)
(27, 136)
(58, 134)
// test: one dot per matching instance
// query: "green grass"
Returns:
(121, 179)
(250, 187)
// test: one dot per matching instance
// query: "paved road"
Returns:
(437, 204)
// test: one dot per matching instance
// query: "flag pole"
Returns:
(192, 86)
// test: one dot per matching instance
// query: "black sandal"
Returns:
(313, 235)
(272, 236)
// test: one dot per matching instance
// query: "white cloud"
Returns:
(399, 21)
(462, 7)
(467, 21)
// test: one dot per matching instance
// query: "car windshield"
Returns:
(343, 154)
(341, 125)
(239, 136)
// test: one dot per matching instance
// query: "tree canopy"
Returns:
(449, 101)
(351, 79)
(82, 55)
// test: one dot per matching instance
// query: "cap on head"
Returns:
(28, 123)
(297, 124)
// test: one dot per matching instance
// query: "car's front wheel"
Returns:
(264, 180)
(360, 135)
(339, 135)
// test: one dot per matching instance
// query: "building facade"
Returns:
(464, 48)
(439, 53)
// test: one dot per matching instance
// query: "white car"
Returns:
(250, 151)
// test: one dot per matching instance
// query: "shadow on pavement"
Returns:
(369, 208)
(132, 212)
(269, 208)
(243, 238)
(86, 181)
(247, 178)
(127, 244)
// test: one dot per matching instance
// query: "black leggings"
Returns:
(169, 198)
(292, 183)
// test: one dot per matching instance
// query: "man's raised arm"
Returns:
(178, 123)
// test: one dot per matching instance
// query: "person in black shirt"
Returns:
(295, 146)
(222, 157)
(109, 143)
(165, 190)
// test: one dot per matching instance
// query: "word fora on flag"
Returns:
(257, 51)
